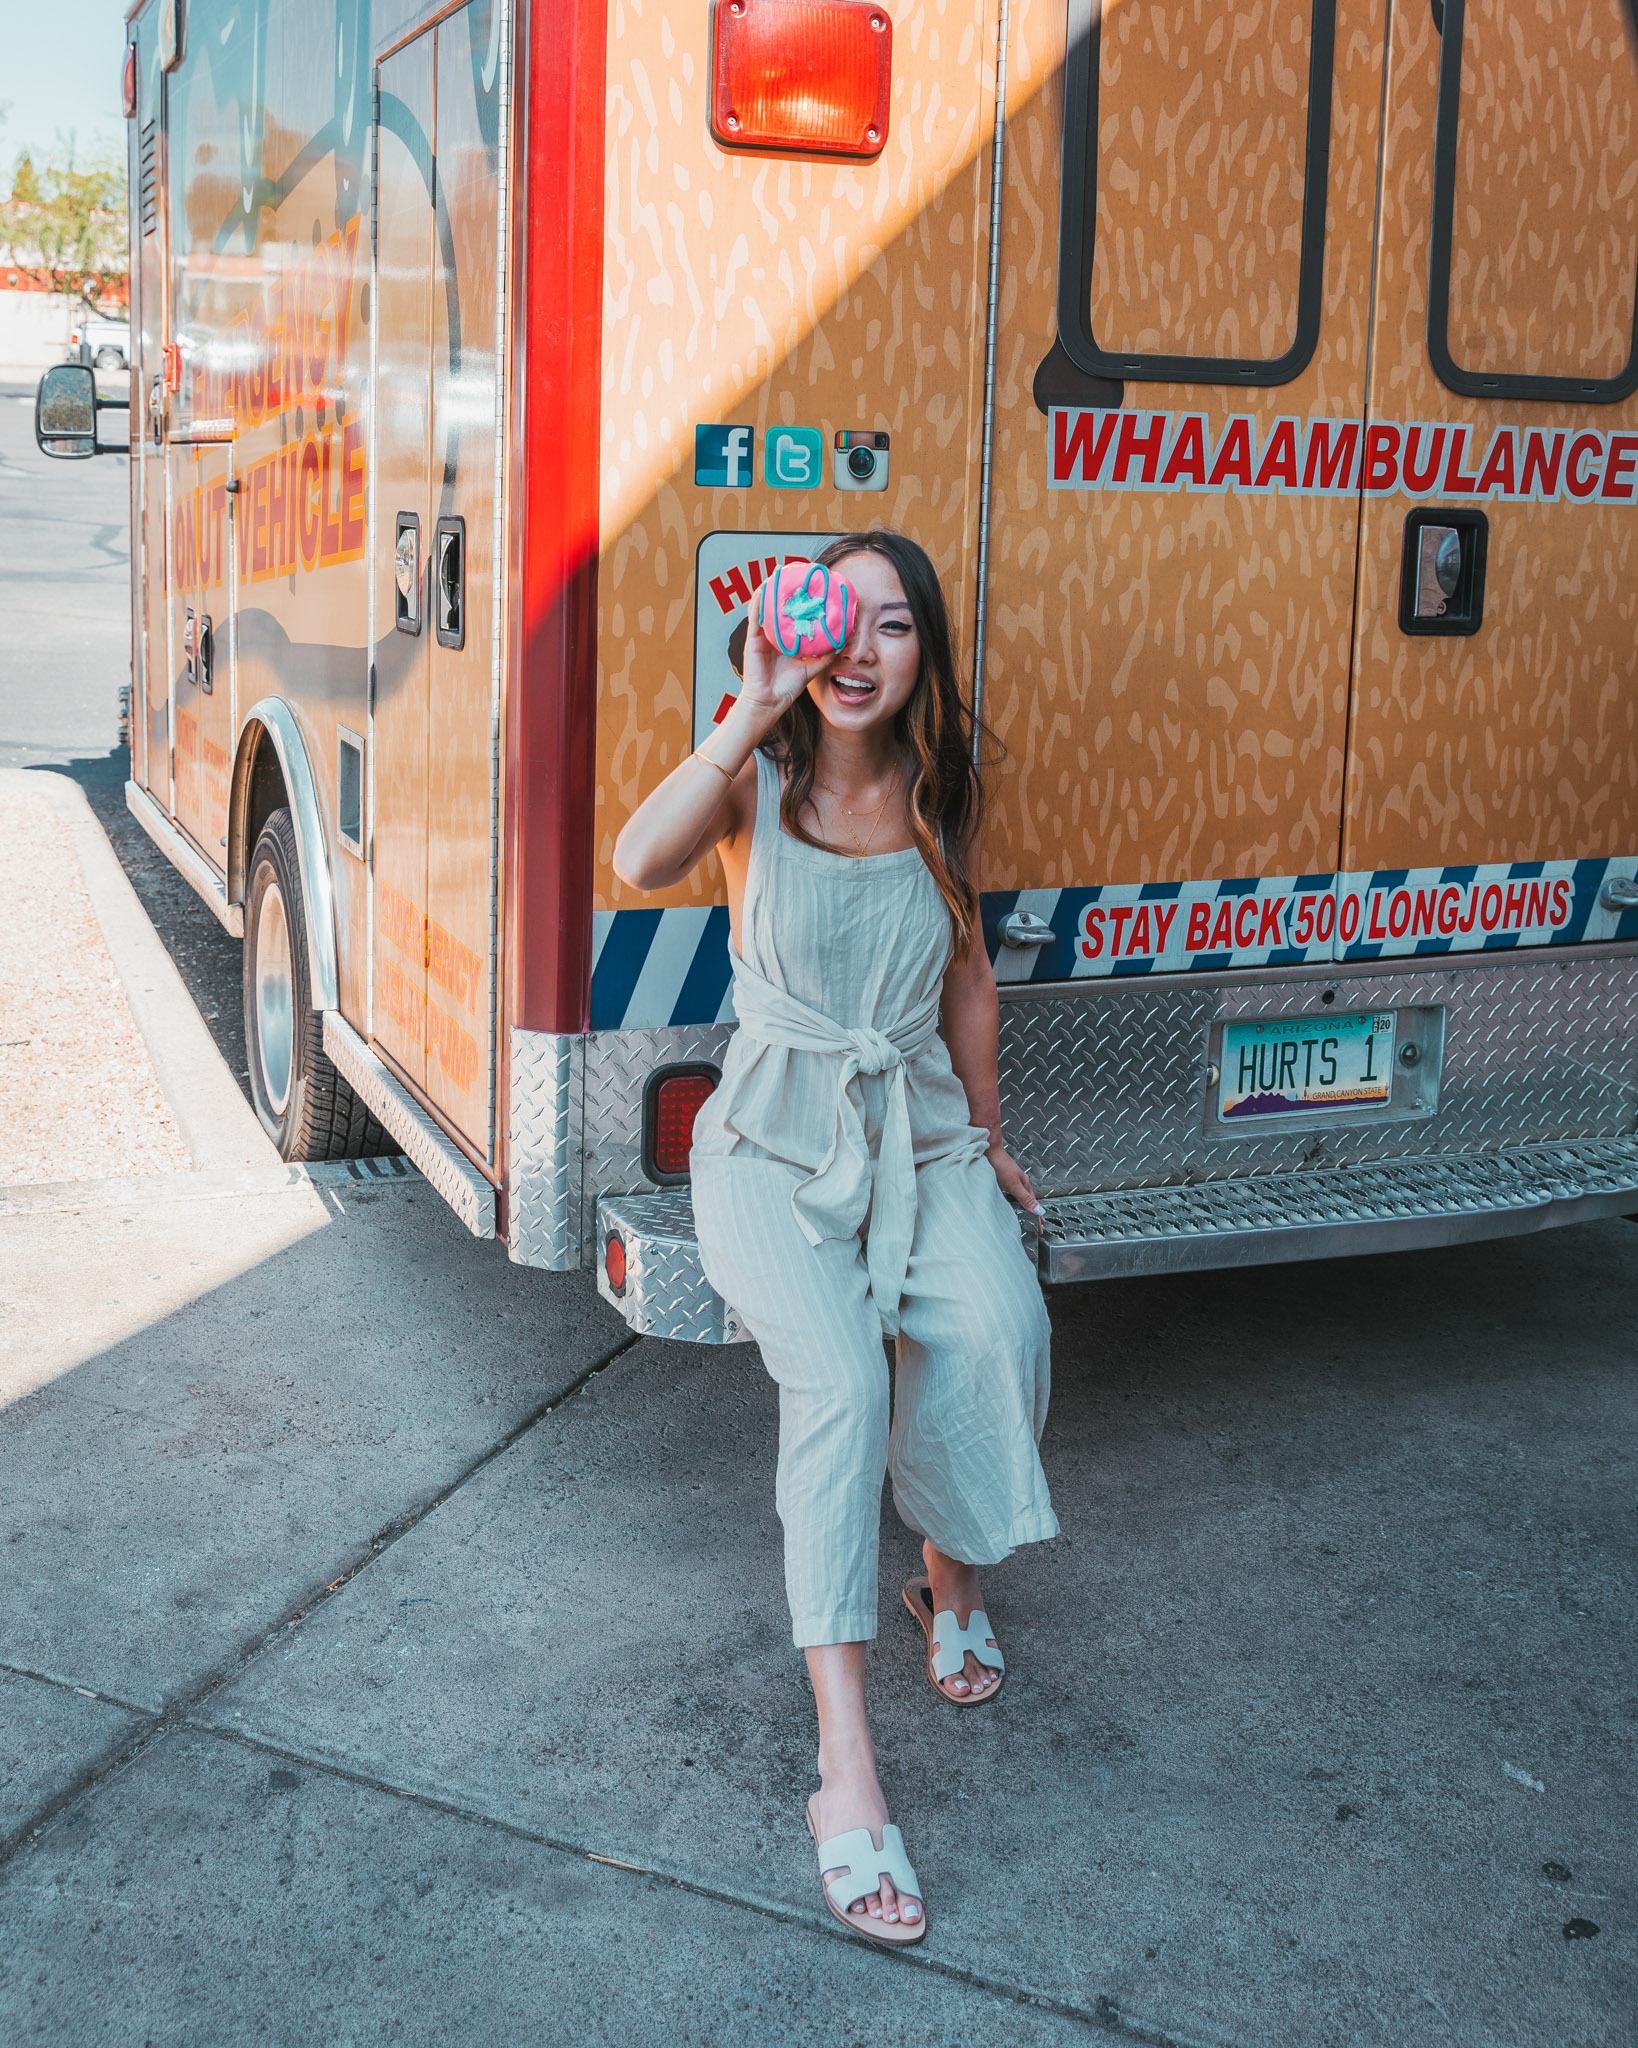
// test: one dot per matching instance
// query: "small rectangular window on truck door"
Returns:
(1195, 154)
(1533, 259)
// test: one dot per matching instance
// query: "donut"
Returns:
(811, 613)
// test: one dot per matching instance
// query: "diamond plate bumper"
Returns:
(1409, 1204)
(665, 1293)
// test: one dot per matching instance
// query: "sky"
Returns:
(61, 72)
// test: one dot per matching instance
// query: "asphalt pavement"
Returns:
(65, 590)
(393, 1651)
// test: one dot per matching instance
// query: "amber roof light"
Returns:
(805, 76)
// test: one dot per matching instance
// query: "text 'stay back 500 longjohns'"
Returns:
(1264, 383)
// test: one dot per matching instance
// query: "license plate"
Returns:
(1283, 1066)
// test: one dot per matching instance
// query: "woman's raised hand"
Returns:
(773, 681)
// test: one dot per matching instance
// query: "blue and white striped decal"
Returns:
(1393, 912)
(659, 967)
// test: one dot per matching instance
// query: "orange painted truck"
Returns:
(1264, 382)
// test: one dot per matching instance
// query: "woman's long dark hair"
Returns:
(934, 727)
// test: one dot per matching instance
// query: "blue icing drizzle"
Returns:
(805, 610)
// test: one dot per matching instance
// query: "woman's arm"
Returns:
(710, 798)
(972, 1026)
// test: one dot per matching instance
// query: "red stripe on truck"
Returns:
(552, 685)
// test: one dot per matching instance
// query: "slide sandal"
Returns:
(863, 1866)
(948, 1644)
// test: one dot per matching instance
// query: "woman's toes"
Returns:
(910, 1909)
(890, 1902)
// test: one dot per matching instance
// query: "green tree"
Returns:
(64, 227)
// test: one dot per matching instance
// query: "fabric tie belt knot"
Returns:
(848, 1187)
(874, 1051)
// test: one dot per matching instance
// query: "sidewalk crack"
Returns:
(1106, 2014)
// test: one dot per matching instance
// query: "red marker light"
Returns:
(614, 1263)
(128, 87)
(805, 75)
(677, 1102)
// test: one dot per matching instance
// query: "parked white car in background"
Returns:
(105, 344)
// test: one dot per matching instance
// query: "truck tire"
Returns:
(304, 1105)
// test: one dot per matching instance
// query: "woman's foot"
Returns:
(849, 1796)
(955, 1588)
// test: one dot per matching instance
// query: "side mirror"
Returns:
(65, 412)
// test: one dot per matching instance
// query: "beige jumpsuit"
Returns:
(841, 1191)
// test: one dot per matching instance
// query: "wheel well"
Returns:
(270, 769)
(264, 795)
(259, 791)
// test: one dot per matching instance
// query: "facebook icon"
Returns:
(722, 456)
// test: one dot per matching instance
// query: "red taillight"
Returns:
(808, 75)
(676, 1103)
(614, 1262)
(128, 87)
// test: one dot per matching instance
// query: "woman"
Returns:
(849, 1174)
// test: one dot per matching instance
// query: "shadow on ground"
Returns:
(1318, 1727)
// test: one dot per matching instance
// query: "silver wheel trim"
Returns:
(275, 998)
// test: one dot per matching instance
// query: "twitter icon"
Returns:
(791, 458)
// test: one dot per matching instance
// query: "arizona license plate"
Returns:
(1280, 1066)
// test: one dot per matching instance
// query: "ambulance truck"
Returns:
(1262, 376)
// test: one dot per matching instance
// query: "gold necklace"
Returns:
(881, 811)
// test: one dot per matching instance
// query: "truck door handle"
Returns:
(1022, 928)
(406, 574)
(449, 582)
(1441, 573)
(1620, 892)
(198, 649)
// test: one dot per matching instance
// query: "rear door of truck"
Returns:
(1493, 752)
(1180, 406)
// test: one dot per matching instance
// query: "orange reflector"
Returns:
(128, 84)
(676, 1104)
(807, 75)
(614, 1263)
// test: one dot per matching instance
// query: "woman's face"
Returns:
(872, 679)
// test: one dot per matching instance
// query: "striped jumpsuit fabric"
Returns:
(840, 1191)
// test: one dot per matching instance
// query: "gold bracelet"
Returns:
(699, 755)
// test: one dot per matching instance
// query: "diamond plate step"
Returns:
(665, 1293)
(1257, 1221)
(1331, 1214)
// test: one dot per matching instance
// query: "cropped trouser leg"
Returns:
(974, 1373)
(809, 1309)
(971, 1391)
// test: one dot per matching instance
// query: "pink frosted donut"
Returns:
(811, 613)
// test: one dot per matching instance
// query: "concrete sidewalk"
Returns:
(106, 1069)
(392, 1651)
